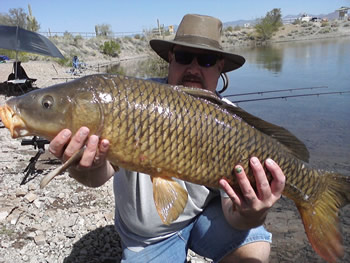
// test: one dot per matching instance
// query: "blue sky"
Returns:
(137, 15)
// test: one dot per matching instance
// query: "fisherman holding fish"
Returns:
(223, 225)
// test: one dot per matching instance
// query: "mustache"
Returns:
(191, 78)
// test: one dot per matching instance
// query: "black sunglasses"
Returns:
(204, 60)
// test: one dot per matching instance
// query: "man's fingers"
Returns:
(230, 192)
(57, 144)
(247, 190)
(262, 184)
(279, 180)
(90, 152)
(76, 143)
(104, 146)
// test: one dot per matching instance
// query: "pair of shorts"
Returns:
(209, 236)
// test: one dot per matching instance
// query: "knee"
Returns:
(257, 252)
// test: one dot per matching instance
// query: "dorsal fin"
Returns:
(295, 146)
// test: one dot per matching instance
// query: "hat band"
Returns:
(199, 41)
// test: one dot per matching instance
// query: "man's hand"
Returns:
(93, 169)
(249, 209)
(63, 146)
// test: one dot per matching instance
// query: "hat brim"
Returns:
(162, 47)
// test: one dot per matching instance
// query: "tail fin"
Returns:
(320, 217)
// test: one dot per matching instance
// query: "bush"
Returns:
(111, 48)
(334, 24)
(324, 24)
(229, 28)
(324, 31)
(269, 24)
(77, 40)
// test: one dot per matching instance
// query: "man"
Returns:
(224, 226)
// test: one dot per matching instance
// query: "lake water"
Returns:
(321, 122)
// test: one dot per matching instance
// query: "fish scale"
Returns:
(170, 130)
(167, 131)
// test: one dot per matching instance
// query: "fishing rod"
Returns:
(272, 91)
(293, 96)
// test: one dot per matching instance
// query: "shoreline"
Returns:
(48, 72)
(313, 38)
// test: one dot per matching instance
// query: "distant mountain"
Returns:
(238, 23)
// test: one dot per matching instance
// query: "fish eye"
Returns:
(47, 102)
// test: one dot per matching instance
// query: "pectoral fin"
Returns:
(72, 160)
(169, 197)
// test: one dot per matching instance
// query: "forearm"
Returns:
(92, 177)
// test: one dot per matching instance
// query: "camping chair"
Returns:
(19, 77)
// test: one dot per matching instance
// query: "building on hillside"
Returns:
(305, 18)
(343, 12)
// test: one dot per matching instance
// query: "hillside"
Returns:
(131, 47)
(50, 71)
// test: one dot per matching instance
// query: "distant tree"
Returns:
(18, 17)
(103, 30)
(3, 19)
(269, 24)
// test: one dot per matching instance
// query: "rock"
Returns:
(70, 234)
(40, 240)
(31, 235)
(21, 192)
(30, 197)
(109, 216)
(25, 258)
(4, 212)
(14, 216)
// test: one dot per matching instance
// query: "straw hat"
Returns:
(202, 32)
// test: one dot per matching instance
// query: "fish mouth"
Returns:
(13, 122)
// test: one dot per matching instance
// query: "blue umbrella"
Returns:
(19, 39)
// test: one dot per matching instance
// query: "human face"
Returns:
(192, 74)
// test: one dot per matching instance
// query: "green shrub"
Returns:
(266, 26)
(110, 48)
(324, 24)
(77, 40)
(66, 61)
(324, 31)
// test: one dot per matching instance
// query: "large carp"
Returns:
(168, 131)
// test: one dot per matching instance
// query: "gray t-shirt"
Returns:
(136, 217)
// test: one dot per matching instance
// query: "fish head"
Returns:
(45, 112)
